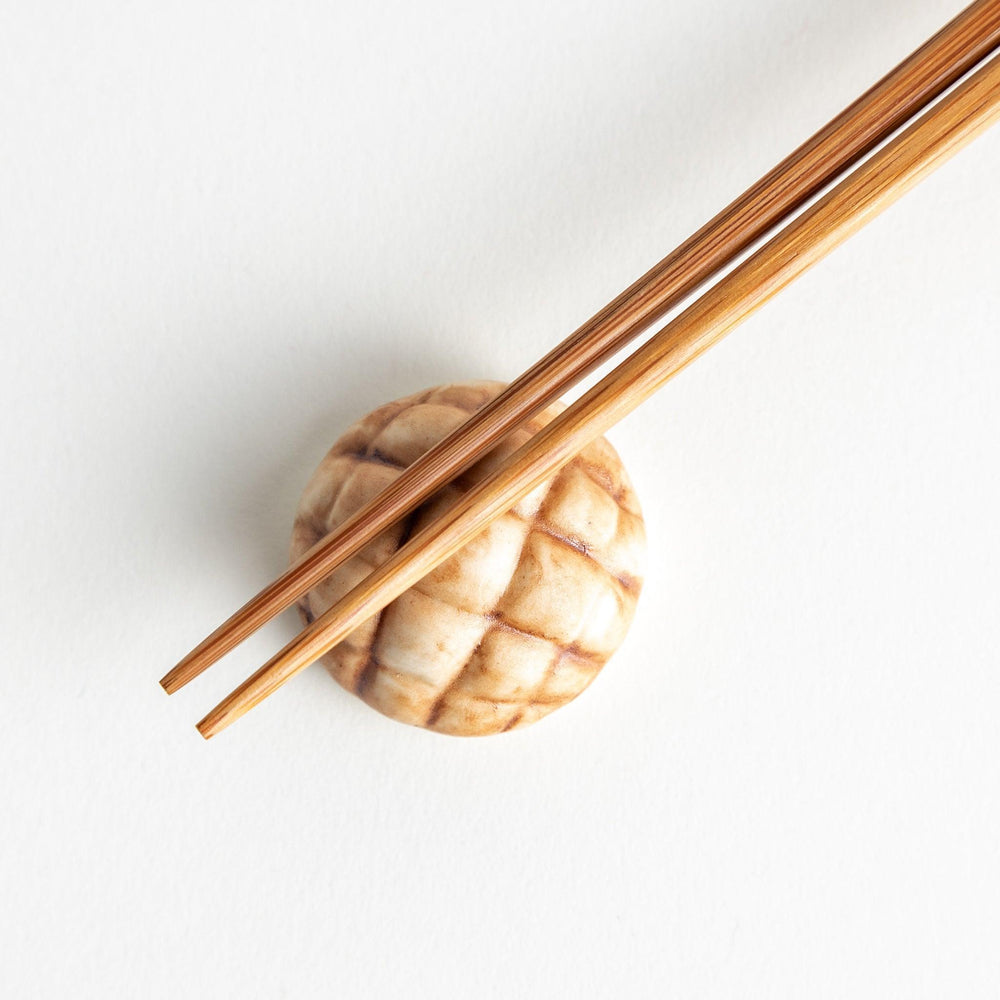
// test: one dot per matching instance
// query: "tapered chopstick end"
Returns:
(218, 719)
(206, 730)
(173, 680)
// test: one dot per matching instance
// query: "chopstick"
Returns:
(855, 201)
(909, 88)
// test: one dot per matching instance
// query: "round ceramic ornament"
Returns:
(514, 625)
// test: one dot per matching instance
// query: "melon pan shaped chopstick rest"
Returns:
(521, 619)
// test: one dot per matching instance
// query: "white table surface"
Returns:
(226, 230)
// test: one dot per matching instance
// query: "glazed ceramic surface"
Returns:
(514, 625)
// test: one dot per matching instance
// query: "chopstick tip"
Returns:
(186, 670)
(214, 723)
(170, 681)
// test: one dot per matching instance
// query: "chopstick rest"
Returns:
(515, 624)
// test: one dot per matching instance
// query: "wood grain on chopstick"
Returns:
(853, 133)
(940, 133)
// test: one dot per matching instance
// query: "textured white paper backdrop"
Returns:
(226, 230)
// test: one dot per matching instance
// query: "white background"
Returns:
(227, 230)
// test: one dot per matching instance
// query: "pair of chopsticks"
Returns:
(951, 124)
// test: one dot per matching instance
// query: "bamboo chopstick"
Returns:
(923, 76)
(870, 189)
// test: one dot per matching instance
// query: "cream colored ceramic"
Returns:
(516, 624)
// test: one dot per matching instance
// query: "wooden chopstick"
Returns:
(871, 188)
(905, 91)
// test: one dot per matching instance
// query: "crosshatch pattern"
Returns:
(519, 621)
